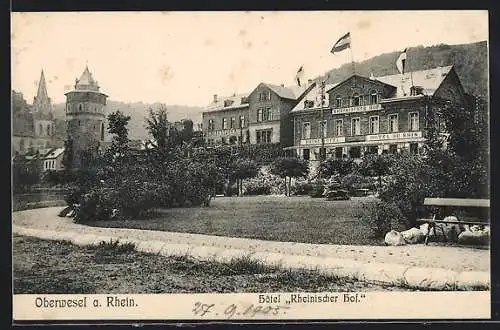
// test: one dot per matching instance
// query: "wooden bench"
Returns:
(452, 202)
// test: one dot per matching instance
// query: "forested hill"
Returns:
(470, 61)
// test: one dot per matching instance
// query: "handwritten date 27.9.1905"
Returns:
(233, 310)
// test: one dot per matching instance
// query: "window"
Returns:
(414, 148)
(322, 125)
(265, 96)
(102, 131)
(338, 102)
(306, 130)
(223, 140)
(373, 97)
(211, 125)
(339, 127)
(259, 114)
(374, 125)
(79, 107)
(355, 152)
(308, 104)
(393, 123)
(264, 136)
(48, 129)
(224, 123)
(393, 148)
(233, 122)
(338, 153)
(306, 154)
(355, 100)
(413, 121)
(242, 121)
(269, 114)
(95, 109)
(79, 123)
(355, 126)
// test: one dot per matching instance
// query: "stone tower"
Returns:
(85, 118)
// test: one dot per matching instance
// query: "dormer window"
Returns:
(355, 100)
(338, 102)
(244, 100)
(228, 103)
(373, 97)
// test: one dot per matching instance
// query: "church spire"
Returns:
(41, 102)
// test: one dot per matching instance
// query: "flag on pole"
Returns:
(300, 75)
(342, 43)
(401, 62)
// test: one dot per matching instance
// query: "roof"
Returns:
(235, 103)
(429, 79)
(290, 92)
(53, 153)
(86, 81)
(314, 95)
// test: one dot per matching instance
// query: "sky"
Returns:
(187, 57)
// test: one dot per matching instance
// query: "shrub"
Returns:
(352, 182)
(382, 217)
(264, 184)
(97, 204)
(302, 188)
(317, 190)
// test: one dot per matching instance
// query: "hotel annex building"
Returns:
(360, 114)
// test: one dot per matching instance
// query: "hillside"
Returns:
(470, 61)
(138, 111)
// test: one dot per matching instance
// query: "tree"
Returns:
(117, 125)
(244, 169)
(339, 167)
(288, 168)
(376, 165)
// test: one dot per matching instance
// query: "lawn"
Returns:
(276, 218)
(42, 266)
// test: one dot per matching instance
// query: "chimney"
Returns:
(215, 98)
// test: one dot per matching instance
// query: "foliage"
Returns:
(355, 181)
(244, 169)
(264, 183)
(383, 217)
(25, 174)
(375, 165)
(289, 167)
(333, 166)
(301, 188)
(117, 125)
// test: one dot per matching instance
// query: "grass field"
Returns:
(42, 266)
(276, 218)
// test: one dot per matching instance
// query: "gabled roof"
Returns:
(235, 103)
(313, 95)
(429, 80)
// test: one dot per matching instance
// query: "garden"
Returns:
(172, 185)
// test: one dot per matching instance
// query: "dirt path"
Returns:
(447, 257)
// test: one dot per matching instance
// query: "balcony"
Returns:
(358, 108)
